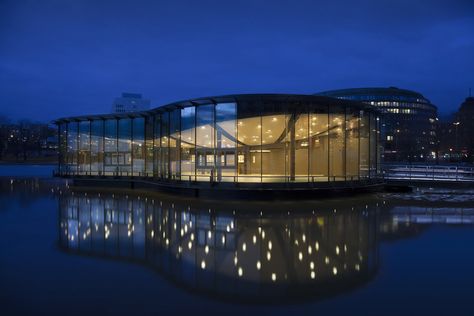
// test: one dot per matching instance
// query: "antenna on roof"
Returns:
(469, 92)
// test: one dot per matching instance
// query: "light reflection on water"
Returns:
(226, 252)
(252, 251)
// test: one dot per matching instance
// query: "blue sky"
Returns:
(65, 57)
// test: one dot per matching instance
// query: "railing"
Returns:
(214, 178)
(425, 172)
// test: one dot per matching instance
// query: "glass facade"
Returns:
(239, 139)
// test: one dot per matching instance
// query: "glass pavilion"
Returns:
(254, 138)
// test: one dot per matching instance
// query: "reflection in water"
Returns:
(227, 253)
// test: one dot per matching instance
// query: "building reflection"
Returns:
(225, 252)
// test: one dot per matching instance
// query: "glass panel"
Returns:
(72, 146)
(188, 143)
(373, 145)
(63, 147)
(165, 120)
(205, 142)
(226, 132)
(138, 146)
(337, 154)
(124, 157)
(249, 132)
(174, 143)
(97, 146)
(149, 145)
(364, 144)
(110, 147)
(319, 153)
(301, 147)
(379, 146)
(157, 147)
(274, 147)
(352, 145)
(84, 147)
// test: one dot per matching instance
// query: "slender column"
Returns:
(59, 149)
(329, 145)
(132, 173)
(369, 153)
(358, 145)
(103, 147)
(90, 146)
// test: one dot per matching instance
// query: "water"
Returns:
(65, 250)
(22, 170)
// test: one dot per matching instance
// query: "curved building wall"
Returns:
(245, 138)
(408, 121)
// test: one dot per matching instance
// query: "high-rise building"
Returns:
(130, 102)
(408, 121)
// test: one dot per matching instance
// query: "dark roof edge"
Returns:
(218, 99)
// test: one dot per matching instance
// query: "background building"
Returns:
(457, 134)
(408, 121)
(27, 141)
(130, 102)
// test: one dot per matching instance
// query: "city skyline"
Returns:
(63, 59)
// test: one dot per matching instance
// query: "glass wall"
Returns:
(124, 157)
(149, 141)
(174, 143)
(84, 153)
(62, 133)
(274, 146)
(157, 146)
(249, 149)
(364, 144)
(72, 145)
(164, 150)
(205, 142)
(138, 147)
(352, 144)
(110, 147)
(188, 143)
(373, 146)
(300, 146)
(97, 147)
(337, 154)
(319, 144)
(228, 142)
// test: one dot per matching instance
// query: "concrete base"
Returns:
(235, 191)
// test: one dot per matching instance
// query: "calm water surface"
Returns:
(76, 251)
